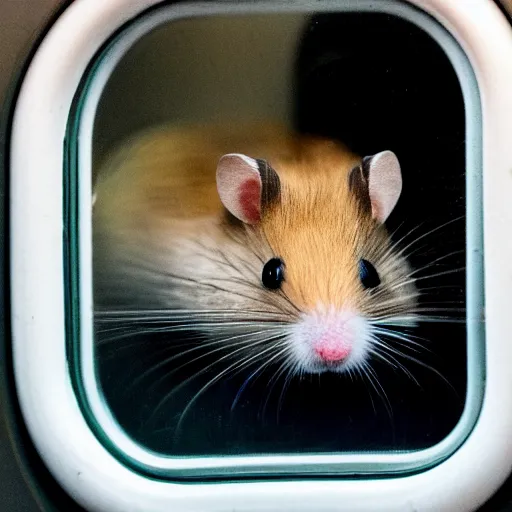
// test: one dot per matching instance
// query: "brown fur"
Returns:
(170, 172)
(317, 228)
(158, 197)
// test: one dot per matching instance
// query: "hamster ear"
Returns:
(246, 186)
(378, 183)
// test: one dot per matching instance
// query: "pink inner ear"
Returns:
(249, 198)
(377, 210)
(385, 184)
(239, 186)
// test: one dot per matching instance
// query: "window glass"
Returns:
(369, 80)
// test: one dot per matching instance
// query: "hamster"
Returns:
(270, 243)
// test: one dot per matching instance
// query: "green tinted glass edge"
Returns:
(422, 459)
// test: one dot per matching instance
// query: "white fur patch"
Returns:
(306, 333)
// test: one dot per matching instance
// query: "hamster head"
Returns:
(329, 264)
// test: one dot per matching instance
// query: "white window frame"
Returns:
(76, 457)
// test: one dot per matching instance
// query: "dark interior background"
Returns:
(375, 82)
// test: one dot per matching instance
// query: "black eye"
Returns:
(273, 274)
(368, 275)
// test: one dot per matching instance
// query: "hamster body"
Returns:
(271, 241)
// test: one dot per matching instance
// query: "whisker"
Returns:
(374, 381)
(196, 282)
(437, 260)
(392, 361)
(244, 385)
(222, 345)
(177, 314)
(219, 376)
(406, 321)
(285, 365)
(406, 282)
(223, 358)
(430, 232)
(424, 365)
(259, 371)
(402, 340)
(291, 371)
(364, 380)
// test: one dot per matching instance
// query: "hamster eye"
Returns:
(273, 274)
(368, 275)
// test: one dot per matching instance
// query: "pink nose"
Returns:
(332, 354)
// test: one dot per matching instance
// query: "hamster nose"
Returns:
(331, 349)
(332, 354)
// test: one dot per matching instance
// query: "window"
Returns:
(167, 402)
